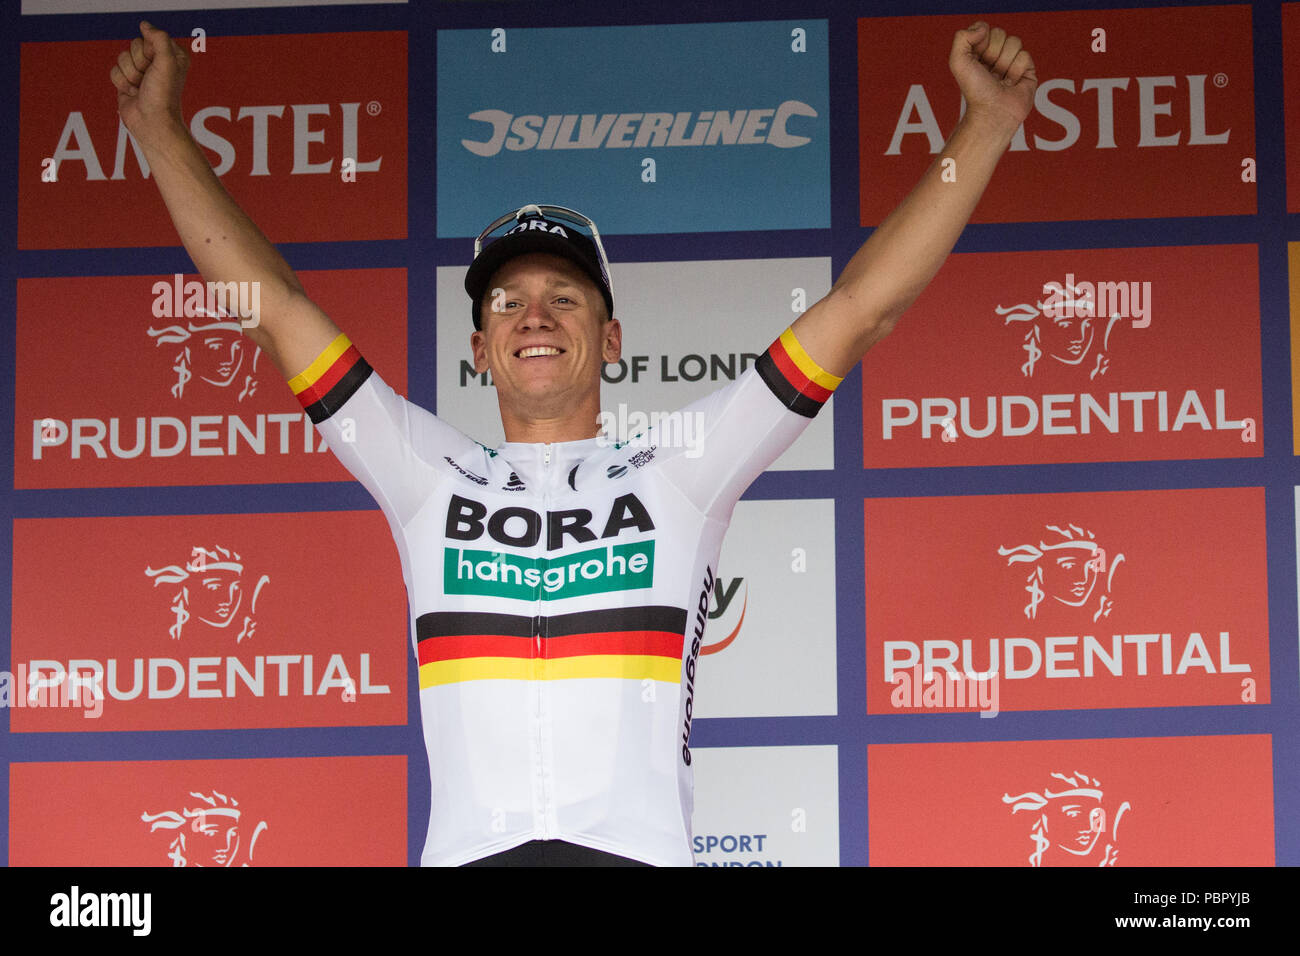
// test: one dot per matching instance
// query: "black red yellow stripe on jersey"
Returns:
(630, 643)
(330, 380)
(801, 384)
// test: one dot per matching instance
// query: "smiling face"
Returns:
(545, 338)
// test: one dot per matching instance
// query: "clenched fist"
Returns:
(995, 73)
(149, 76)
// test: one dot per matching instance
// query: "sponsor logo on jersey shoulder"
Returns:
(641, 458)
(477, 479)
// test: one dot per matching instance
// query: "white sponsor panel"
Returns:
(770, 649)
(766, 806)
(689, 328)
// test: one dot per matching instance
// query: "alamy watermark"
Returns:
(918, 689)
(194, 299)
(1109, 300)
(33, 688)
(637, 429)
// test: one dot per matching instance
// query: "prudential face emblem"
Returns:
(211, 588)
(1064, 328)
(215, 352)
(1067, 566)
(210, 830)
(1069, 821)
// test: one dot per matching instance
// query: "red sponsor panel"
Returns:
(279, 141)
(206, 621)
(1078, 355)
(1153, 801)
(301, 811)
(1138, 113)
(1291, 100)
(112, 393)
(1067, 601)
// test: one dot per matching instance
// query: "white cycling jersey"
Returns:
(558, 595)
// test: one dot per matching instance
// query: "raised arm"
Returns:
(224, 243)
(996, 76)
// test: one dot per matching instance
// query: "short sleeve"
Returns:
(741, 429)
(386, 442)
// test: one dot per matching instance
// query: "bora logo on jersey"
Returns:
(611, 567)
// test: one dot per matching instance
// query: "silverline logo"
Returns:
(102, 909)
(639, 130)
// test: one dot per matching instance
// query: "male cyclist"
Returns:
(559, 584)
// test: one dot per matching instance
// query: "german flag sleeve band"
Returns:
(330, 381)
(801, 384)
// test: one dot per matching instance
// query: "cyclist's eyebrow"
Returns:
(558, 282)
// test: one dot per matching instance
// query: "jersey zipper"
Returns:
(542, 690)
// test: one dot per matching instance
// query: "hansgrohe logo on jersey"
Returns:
(615, 567)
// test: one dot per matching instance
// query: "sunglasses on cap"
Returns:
(547, 211)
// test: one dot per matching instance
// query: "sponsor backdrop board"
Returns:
(658, 128)
(1070, 601)
(1138, 113)
(766, 806)
(1156, 801)
(170, 393)
(1070, 449)
(769, 647)
(1071, 356)
(206, 621)
(250, 812)
(278, 141)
